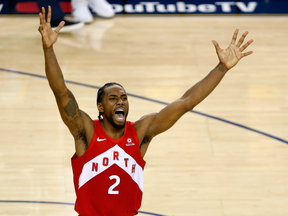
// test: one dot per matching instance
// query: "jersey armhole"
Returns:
(143, 162)
(74, 157)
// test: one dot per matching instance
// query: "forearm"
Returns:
(203, 88)
(53, 71)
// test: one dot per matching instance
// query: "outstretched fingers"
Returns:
(42, 16)
(60, 26)
(216, 45)
(242, 38)
(245, 46)
(234, 38)
(247, 53)
(49, 14)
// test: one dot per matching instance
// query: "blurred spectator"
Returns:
(81, 11)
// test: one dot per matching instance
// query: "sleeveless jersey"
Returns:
(108, 178)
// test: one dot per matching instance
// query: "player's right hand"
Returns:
(49, 37)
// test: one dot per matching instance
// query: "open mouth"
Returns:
(120, 115)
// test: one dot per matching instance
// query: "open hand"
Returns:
(231, 56)
(49, 37)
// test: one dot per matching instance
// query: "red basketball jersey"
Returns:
(108, 178)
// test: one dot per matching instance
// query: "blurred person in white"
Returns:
(81, 10)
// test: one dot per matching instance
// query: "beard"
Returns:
(115, 125)
(118, 126)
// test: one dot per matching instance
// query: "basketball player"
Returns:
(108, 163)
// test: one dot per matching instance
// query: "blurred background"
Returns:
(227, 157)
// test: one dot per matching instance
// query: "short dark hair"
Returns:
(100, 95)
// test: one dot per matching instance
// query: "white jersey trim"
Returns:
(115, 155)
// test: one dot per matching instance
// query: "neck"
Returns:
(111, 131)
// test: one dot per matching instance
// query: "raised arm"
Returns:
(157, 123)
(79, 123)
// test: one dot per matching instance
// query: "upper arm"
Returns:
(167, 117)
(153, 124)
(78, 122)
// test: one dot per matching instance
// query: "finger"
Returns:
(41, 18)
(49, 14)
(40, 29)
(246, 45)
(247, 53)
(235, 36)
(216, 45)
(43, 15)
(242, 38)
(59, 27)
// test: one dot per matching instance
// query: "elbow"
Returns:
(189, 108)
(187, 105)
(59, 92)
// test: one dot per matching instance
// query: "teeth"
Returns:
(119, 109)
(119, 114)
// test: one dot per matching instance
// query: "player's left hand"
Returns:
(231, 56)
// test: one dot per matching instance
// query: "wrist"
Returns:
(222, 68)
(48, 49)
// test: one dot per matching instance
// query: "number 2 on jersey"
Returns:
(111, 188)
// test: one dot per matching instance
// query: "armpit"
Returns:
(81, 137)
(146, 141)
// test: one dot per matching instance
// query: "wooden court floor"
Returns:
(230, 158)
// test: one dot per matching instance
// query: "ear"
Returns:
(100, 107)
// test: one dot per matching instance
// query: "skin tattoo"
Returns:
(71, 108)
